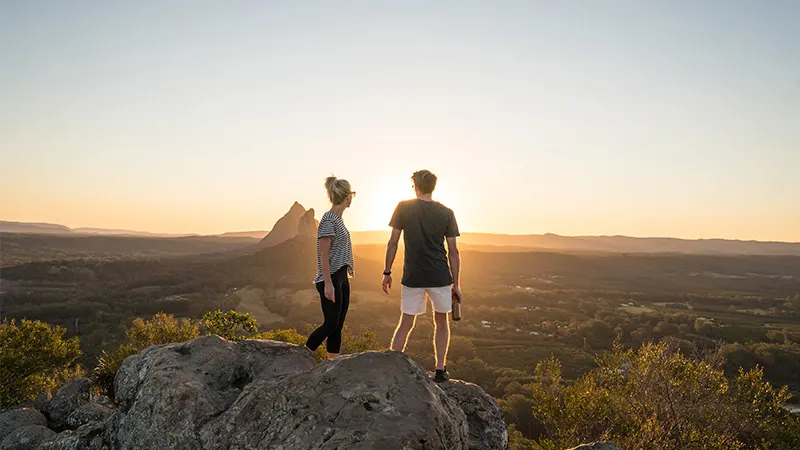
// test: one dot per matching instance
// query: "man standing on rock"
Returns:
(425, 226)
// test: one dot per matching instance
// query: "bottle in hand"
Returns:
(456, 313)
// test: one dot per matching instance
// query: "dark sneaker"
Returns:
(441, 376)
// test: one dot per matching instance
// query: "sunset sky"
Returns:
(641, 118)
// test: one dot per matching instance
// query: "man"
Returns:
(425, 225)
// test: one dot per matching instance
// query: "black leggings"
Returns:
(334, 312)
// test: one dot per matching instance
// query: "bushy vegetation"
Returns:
(34, 359)
(231, 325)
(351, 343)
(652, 398)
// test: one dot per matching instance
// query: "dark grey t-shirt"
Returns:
(425, 226)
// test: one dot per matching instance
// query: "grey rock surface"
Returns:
(88, 413)
(17, 418)
(29, 437)
(69, 398)
(373, 400)
(487, 426)
(169, 392)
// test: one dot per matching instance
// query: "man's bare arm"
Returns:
(455, 262)
(391, 249)
(391, 253)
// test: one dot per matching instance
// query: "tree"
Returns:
(516, 441)
(655, 397)
(161, 329)
(461, 347)
(231, 325)
(34, 359)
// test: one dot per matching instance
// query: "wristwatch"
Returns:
(387, 272)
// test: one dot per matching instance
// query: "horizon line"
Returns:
(122, 232)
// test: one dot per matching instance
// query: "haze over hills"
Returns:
(34, 228)
(50, 228)
(299, 221)
(255, 234)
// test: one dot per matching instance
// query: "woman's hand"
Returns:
(330, 294)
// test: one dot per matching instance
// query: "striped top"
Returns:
(341, 253)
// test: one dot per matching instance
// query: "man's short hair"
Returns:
(425, 181)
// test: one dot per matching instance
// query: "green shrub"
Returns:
(231, 325)
(289, 335)
(34, 359)
(161, 329)
(366, 340)
(108, 363)
(655, 397)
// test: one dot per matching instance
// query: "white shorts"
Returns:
(413, 299)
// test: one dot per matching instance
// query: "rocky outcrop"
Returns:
(69, 398)
(285, 228)
(209, 393)
(29, 437)
(307, 227)
(88, 413)
(487, 427)
(18, 418)
(191, 383)
(368, 401)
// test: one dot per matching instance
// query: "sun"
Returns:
(374, 204)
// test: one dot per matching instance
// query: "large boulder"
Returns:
(169, 392)
(18, 418)
(88, 413)
(209, 394)
(487, 426)
(69, 398)
(374, 400)
(86, 437)
(29, 437)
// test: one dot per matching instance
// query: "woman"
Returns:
(334, 265)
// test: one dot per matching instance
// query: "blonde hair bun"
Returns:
(338, 189)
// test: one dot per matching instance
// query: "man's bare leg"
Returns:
(404, 327)
(441, 340)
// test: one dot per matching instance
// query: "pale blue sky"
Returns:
(644, 118)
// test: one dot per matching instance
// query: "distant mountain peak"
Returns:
(297, 221)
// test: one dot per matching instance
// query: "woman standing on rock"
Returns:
(334, 266)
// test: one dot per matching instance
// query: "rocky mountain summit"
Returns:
(209, 393)
(296, 222)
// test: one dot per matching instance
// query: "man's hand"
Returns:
(457, 292)
(387, 283)
(330, 294)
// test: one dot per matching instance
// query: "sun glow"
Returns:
(374, 205)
